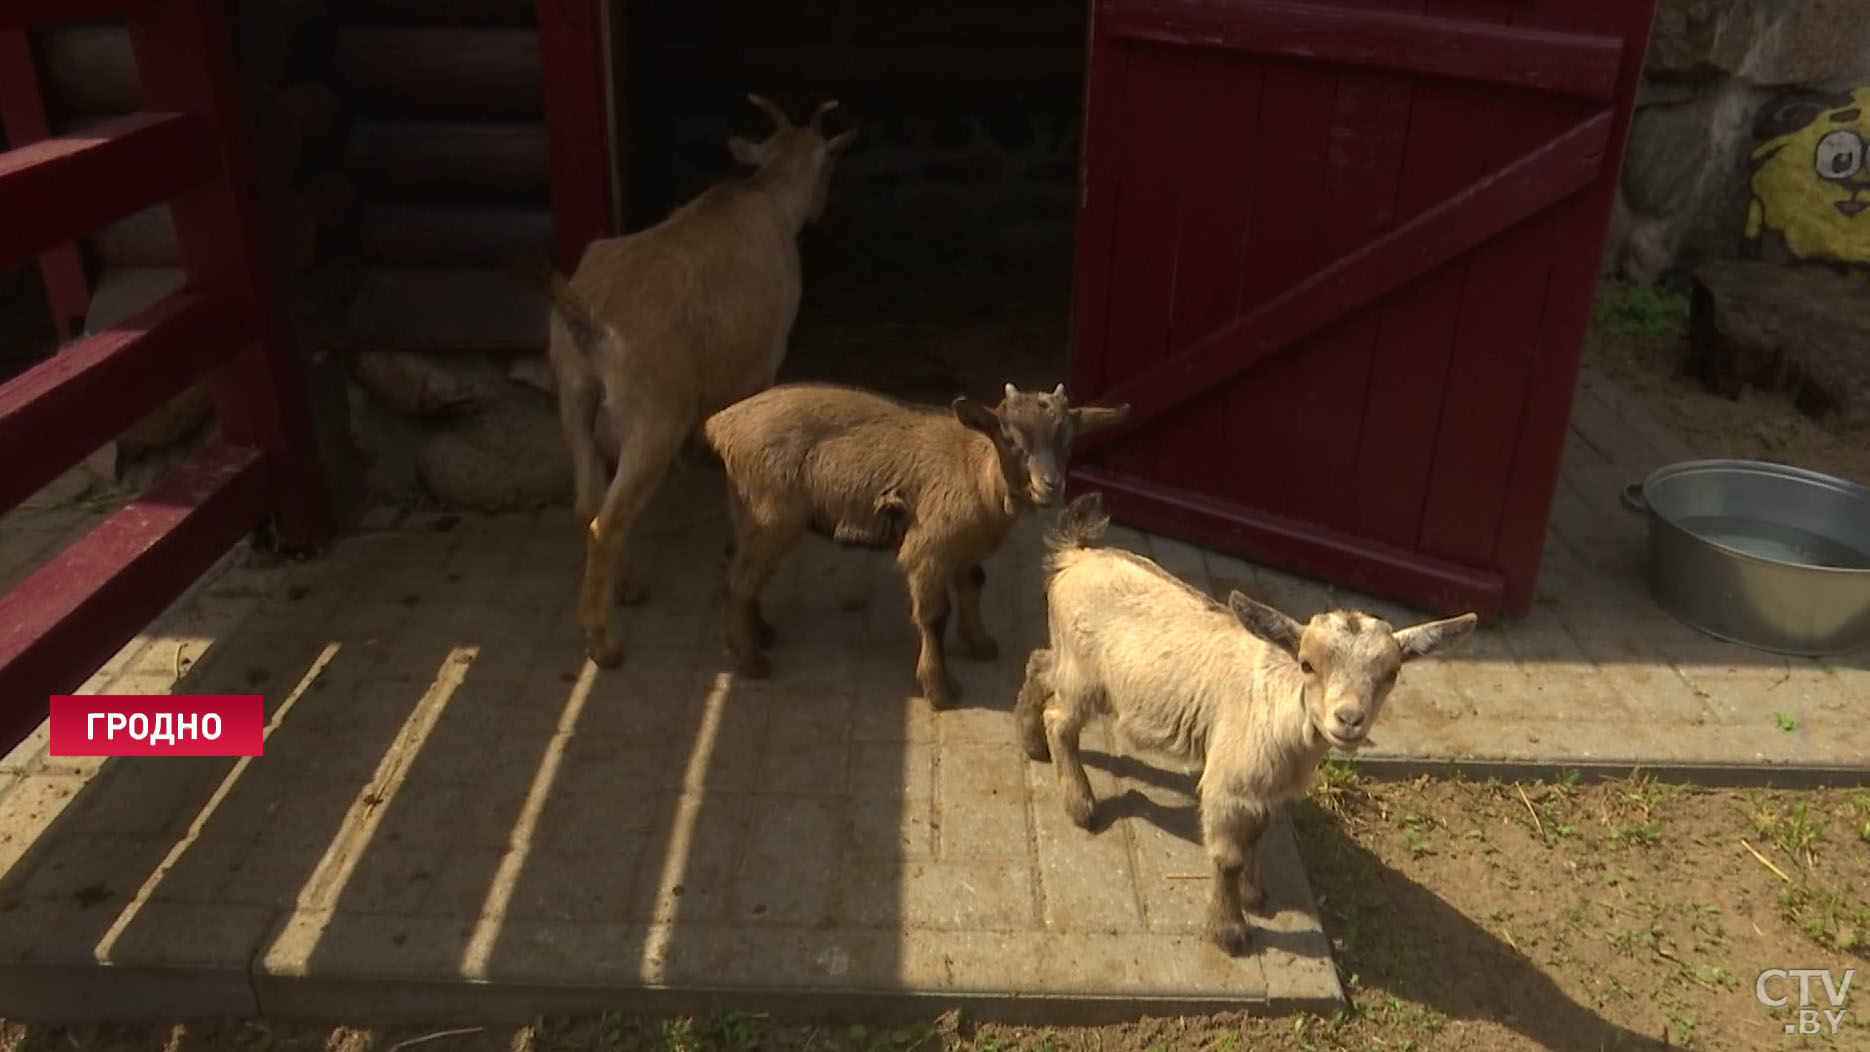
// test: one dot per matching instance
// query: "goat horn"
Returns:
(1059, 391)
(823, 108)
(1011, 390)
(766, 106)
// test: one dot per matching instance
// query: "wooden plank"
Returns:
(1220, 166)
(186, 58)
(439, 73)
(446, 310)
(1579, 240)
(1435, 585)
(23, 115)
(1099, 147)
(69, 404)
(63, 622)
(1330, 374)
(1148, 179)
(1482, 211)
(1568, 63)
(1291, 148)
(450, 162)
(1448, 147)
(577, 124)
(1488, 389)
(124, 164)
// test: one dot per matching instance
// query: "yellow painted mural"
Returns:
(1810, 177)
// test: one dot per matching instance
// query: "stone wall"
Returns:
(1748, 139)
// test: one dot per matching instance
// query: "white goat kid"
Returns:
(1251, 697)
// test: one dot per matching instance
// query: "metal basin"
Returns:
(1765, 555)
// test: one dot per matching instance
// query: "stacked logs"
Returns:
(89, 74)
(449, 155)
(448, 152)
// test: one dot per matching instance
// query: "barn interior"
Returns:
(943, 263)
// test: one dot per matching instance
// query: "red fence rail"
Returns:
(187, 147)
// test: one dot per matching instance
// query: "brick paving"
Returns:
(457, 817)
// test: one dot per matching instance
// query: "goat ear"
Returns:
(976, 417)
(1264, 621)
(1426, 638)
(747, 153)
(841, 142)
(1096, 417)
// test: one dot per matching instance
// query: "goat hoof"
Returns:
(603, 651)
(755, 667)
(1233, 937)
(1081, 811)
(1037, 751)
(1252, 899)
(984, 649)
(943, 694)
(767, 636)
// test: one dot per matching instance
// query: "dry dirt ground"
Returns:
(1637, 339)
(1467, 916)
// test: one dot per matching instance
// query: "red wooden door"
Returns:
(1339, 257)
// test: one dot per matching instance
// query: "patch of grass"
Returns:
(1639, 311)
(1335, 786)
(1785, 721)
(1826, 916)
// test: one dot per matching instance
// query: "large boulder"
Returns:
(1803, 331)
(508, 457)
(420, 384)
(1766, 42)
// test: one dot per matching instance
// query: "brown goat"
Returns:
(941, 486)
(658, 329)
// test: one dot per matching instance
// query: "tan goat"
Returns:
(657, 329)
(1239, 690)
(940, 486)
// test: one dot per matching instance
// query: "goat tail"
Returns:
(587, 329)
(1080, 525)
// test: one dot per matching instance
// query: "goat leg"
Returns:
(1062, 727)
(1231, 832)
(757, 555)
(928, 600)
(640, 470)
(967, 586)
(1029, 709)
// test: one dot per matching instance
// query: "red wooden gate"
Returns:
(1339, 257)
(189, 147)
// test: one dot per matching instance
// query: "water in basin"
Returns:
(1774, 540)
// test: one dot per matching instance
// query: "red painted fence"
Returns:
(188, 147)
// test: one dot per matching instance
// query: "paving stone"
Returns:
(591, 886)
(688, 873)
(967, 896)
(981, 802)
(1087, 881)
(590, 802)
(793, 849)
(885, 718)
